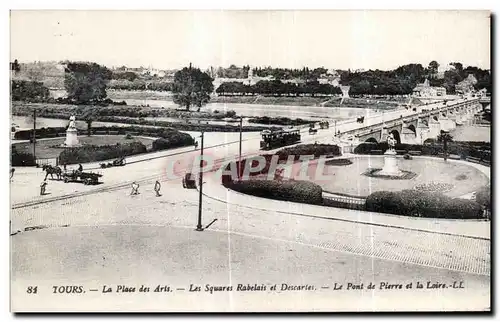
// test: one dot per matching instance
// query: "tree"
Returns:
(445, 137)
(86, 83)
(433, 67)
(192, 87)
(89, 115)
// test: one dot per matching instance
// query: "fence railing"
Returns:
(343, 202)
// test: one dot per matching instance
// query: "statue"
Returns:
(72, 124)
(391, 141)
(71, 134)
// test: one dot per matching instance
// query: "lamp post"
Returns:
(34, 134)
(200, 184)
(239, 159)
(335, 128)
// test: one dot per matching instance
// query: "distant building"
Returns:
(425, 90)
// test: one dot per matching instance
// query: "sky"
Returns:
(292, 39)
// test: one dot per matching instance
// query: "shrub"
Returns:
(407, 157)
(310, 149)
(93, 153)
(21, 159)
(172, 139)
(422, 204)
(128, 136)
(461, 177)
(295, 191)
(483, 197)
(230, 113)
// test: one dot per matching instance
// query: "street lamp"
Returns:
(239, 163)
(200, 184)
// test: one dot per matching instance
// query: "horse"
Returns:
(52, 170)
(360, 119)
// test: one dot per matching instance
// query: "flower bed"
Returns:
(434, 187)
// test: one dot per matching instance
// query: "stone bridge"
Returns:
(426, 123)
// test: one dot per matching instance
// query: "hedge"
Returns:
(290, 190)
(93, 153)
(481, 150)
(310, 149)
(21, 159)
(118, 130)
(423, 204)
(483, 197)
(172, 139)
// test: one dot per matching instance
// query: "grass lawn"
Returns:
(349, 179)
(45, 148)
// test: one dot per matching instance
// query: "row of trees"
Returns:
(277, 88)
(141, 85)
(402, 80)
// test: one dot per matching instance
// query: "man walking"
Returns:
(135, 188)
(43, 186)
(157, 188)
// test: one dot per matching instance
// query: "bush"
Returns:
(230, 113)
(21, 159)
(461, 177)
(407, 157)
(295, 191)
(309, 149)
(94, 153)
(422, 204)
(483, 197)
(172, 139)
(128, 136)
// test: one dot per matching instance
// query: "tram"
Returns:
(279, 138)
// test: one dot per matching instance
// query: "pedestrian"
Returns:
(196, 145)
(157, 188)
(64, 167)
(43, 186)
(12, 170)
(135, 188)
(80, 167)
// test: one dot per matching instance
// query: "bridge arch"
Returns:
(372, 140)
(435, 118)
(412, 128)
(396, 135)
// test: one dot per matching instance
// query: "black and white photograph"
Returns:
(250, 160)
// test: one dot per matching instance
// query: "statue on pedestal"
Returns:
(72, 124)
(391, 141)
(71, 134)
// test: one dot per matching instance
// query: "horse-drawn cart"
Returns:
(88, 178)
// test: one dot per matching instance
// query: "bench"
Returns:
(415, 152)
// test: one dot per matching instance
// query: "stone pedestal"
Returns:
(71, 138)
(390, 165)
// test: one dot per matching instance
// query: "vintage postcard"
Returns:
(250, 161)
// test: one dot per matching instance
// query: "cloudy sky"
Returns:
(333, 39)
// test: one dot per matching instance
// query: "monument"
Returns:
(71, 134)
(390, 162)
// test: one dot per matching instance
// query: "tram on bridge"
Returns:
(279, 138)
